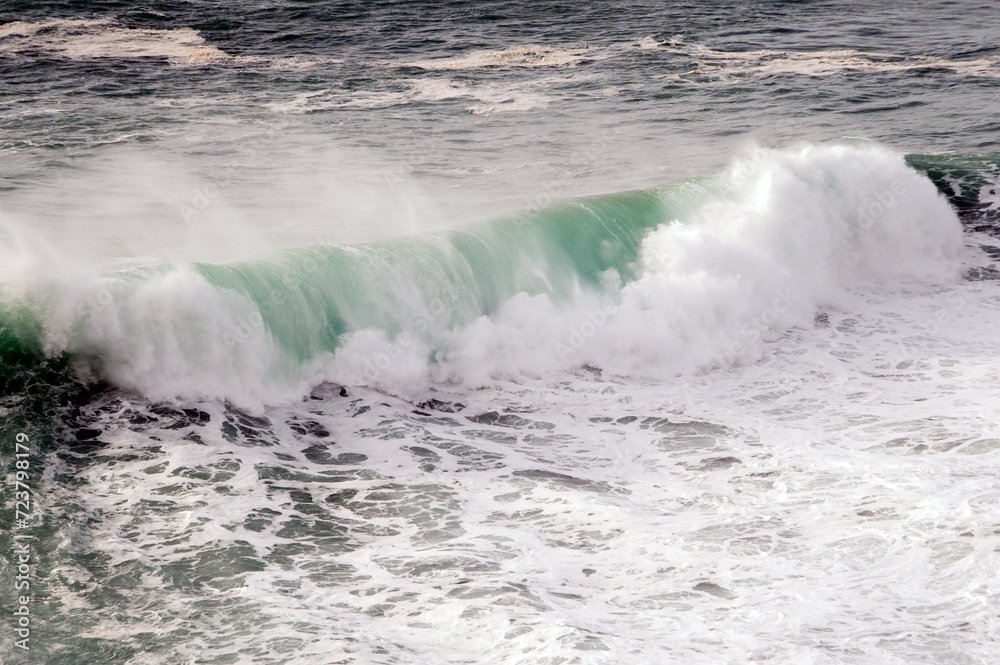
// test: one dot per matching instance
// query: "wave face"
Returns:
(646, 283)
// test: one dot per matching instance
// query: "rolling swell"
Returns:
(508, 297)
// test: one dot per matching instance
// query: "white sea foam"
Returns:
(763, 62)
(719, 63)
(485, 97)
(82, 39)
(833, 503)
(990, 194)
(150, 334)
(528, 55)
(786, 233)
(104, 38)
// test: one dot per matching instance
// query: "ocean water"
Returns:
(500, 332)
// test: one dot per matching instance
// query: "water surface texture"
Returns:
(500, 332)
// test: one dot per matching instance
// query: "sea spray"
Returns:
(648, 283)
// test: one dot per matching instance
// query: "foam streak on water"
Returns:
(83, 39)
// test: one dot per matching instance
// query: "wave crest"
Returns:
(648, 284)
